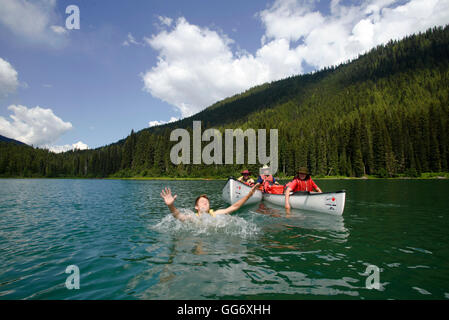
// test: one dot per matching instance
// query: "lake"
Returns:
(121, 236)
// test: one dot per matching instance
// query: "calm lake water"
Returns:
(127, 246)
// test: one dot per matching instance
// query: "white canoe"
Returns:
(328, 202)
(235, 190)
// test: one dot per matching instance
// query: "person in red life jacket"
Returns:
(301, 182)
(265, 178)
(245, 178)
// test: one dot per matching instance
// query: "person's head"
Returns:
(303, 173)
(245, 174)
(202, 204)
(265, 170)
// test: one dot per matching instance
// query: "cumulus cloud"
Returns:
(158, 123)
(8, 78)
(34, 21)
(58, 149)
(197, 66)
(36, 126)
(290, 20)
(348, 30)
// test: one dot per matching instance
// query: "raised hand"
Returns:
(254, 188)
(167, 196)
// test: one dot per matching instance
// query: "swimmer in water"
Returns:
(202, 204)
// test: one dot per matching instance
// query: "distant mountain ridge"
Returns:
(384, 113)
(384, 60)
(6, 139)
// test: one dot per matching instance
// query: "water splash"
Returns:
(208, 225)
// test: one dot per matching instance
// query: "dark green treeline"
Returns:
(385, 113)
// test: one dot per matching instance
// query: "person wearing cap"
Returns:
(301, 182)
(245, 178)
(266, 179)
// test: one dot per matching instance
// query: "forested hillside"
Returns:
(5, 139)
(384, 113)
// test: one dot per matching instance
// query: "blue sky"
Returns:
(136, 62)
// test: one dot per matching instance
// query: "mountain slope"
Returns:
(385, 113)
(414, 52)
(6, 139)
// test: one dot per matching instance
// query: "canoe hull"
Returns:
(328, 202)
(235, 190)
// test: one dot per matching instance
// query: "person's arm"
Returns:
(287, 198)
(317, 189)
(289, 187)
(169, 201)
(239, 203)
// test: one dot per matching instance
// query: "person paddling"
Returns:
(301, 182)
(202, 204)
(245, 178)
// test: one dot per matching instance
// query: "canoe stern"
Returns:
(235, 190)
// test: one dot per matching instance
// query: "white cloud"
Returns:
(348, 30)
(289, 20)
(197, 66)
(158, 123)
(165, 21)
(131, 40)
(36, 126)
(58, 149)
(58, 29)
(34, 21)
(8, 78)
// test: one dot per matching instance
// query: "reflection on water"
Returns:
(128, 246)
(303, 219)
(213, 257)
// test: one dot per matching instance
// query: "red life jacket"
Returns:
(267, 178)
(267, 182)
(302, 185)
(275, 189)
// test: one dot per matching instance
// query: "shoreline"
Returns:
(424, 176)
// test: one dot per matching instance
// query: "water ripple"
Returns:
(128, 246)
